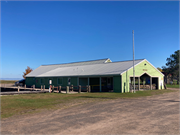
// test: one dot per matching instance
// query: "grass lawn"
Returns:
(172, 86)
(30, 103)
(7, 81)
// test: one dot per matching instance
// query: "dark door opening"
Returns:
(106, 84)
(95, 84)
(154, 83)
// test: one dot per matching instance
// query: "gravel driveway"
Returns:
(157, 114)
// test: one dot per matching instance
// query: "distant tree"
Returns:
(160, 69)
(172, 66)
(27, 71)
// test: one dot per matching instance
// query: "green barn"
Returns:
(102, 75)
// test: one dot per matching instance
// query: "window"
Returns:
(69, 81)
(59, 81)
(49, 81)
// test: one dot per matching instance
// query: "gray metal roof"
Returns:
(46, 68)
(83, 69)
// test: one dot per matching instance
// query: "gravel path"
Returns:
(157, 114)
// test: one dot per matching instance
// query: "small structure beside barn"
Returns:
(102, 75)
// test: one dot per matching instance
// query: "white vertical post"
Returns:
(150, 83)
(67, 89)
(139, 83)
(133, 62)
(79, 88)
(100, 83)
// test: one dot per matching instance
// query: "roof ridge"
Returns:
(127, 60)
(77, 62)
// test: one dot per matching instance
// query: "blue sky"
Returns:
(38, 33)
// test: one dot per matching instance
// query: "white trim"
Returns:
(121, 84)
(144, 72)
(132, 67)
(155, 67)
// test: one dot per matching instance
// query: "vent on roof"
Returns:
(108, 60)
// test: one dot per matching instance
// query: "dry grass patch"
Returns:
(29, 103)
(8, 81)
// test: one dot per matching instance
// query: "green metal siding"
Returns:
(74, 81)
(29, 81)
(37, 81)
(117, 83)
(139, 70)
(83, 81)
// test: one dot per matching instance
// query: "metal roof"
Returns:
(99, 61)
(83, 69)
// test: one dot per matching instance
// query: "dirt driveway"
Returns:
(157, 114)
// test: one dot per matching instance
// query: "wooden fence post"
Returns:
(18, 88)
(50, 89)
(41, 87)
(34, 87)
(79, 88)
(72, 87)
(53, 88)
(59, 89)
(89, 88)
(67, 89)
(25, 87)
(44, 88)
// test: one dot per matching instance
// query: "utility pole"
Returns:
(133, 63)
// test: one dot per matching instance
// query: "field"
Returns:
(8, 81)
(172, 86)
(93, 113)
(30, 103)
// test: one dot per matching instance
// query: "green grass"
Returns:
(172, 86)
(30, 103)
(7, 81)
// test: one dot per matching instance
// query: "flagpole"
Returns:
(133, 63)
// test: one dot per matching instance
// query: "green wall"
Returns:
(117, 83)
(140, 69)
(30, 81)
(83, 81)
(45, 81)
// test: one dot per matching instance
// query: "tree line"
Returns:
(171, 70)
